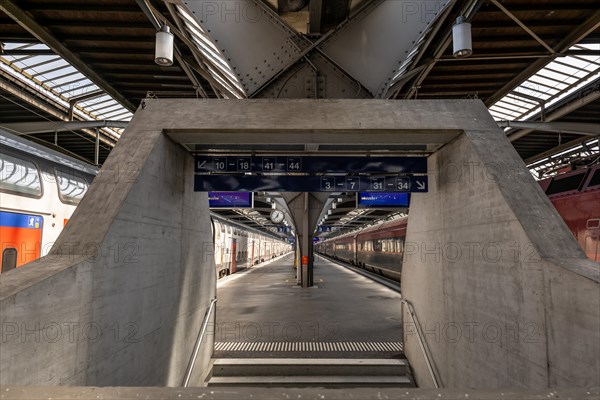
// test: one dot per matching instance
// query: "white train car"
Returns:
(39, 190)
(238, 247)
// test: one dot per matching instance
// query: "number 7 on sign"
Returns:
(353, 184)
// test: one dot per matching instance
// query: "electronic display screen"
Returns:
(223, 200)
(382, 199)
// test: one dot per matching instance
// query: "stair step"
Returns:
(274, 367)
(313, 381)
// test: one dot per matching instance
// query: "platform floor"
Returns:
(262, 313)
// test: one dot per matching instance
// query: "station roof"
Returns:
(68, 62)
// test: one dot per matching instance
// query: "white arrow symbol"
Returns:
(420, 185)
(201, 166)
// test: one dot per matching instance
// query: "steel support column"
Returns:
(97, 148)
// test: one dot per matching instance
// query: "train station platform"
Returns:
(262, 313)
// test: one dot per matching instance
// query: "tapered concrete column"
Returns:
(121, 297)
(502, 291)
(305, 209)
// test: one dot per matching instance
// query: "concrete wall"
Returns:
(503, 292)
(120, 300)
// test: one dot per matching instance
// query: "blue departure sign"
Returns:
(309, 183)
(225, 200)
(382, 200)
(310, 164)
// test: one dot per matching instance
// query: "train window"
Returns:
(377, 244)
(19, 176)
(400, 245)
(9, 259)
(71, 187)
(566, 184)
(595, 181)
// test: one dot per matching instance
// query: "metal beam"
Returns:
(28, 98)
(87, 96)
(574, 37)
(29, 52)
(576, 128)
(502, 56)
(282, 48)
(574, 105)
(393, 29)
(522, 25)
(539, 159)
(33, 27)
(28, 128)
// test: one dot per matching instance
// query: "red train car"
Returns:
(380, 248)
(576, 197)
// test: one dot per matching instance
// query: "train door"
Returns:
(21, 239)
(233, 255)
(252, 251)
(592, 239)
(227, 245)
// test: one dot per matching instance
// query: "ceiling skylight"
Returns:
(56, 80)
(558, 79)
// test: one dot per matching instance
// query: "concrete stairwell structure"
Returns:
(504, 295)
(120, 300)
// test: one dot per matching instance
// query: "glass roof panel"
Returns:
(96, 100)
(558, 79)
(56, 80)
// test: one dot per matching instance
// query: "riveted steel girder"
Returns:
(361, 58)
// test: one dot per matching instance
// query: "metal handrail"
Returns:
(437, 382)
(188, 372)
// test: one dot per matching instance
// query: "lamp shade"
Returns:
(163, 54)
(461, 38)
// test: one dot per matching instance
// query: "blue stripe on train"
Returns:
(15, 220)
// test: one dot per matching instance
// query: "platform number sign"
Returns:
(244, 164)
(378, 183)
(328, 183)
(352, 183)
(269, 163)
(403, 184)
(220, 163)
(294, 164)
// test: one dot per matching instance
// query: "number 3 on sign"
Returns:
(328, 183)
